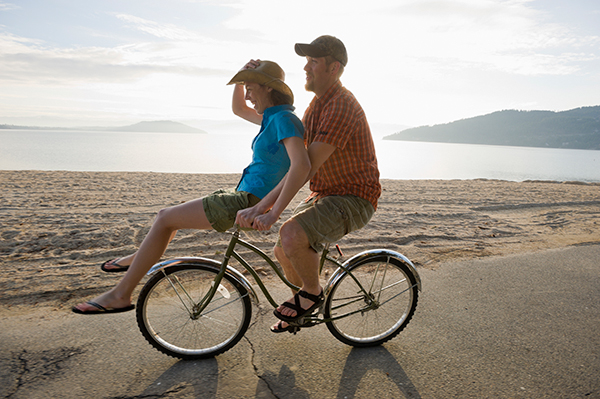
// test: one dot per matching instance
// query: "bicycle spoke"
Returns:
(167, 317)
(371, 303)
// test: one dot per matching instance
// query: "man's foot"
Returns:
(282, 326)
(112, 266)
(303, 304)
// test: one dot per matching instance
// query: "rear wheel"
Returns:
(379, 310)
(166, 307)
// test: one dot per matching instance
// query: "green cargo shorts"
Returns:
(328, 219)
(222, 206)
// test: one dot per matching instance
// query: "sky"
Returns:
(411, 62)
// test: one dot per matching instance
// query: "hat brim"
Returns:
(253, 76)
(308, 50)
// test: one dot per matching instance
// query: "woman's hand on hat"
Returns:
(251, 65)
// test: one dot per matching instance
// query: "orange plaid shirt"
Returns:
(337, 119)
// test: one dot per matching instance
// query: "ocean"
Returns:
(230, 153)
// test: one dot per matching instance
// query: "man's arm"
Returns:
(279, 198)
(318, 153)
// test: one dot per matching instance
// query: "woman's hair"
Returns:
(278, 98)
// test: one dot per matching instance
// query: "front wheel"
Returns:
(167, 312)
(373, 303)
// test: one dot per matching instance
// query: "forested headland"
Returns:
(575, 129)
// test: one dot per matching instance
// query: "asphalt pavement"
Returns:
(522, 326)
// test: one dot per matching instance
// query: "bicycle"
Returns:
(194, 307)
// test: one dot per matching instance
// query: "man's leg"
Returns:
(304, 261)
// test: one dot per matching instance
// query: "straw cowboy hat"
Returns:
(268, 73)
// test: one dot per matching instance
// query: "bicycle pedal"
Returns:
(302, 323)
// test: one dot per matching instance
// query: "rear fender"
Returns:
(373, 253)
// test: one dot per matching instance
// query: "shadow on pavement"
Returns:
(198, 379)
(361, 361)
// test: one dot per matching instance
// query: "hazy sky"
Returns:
(420, 62)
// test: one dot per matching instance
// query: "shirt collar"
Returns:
(330, 92)
(275, 109)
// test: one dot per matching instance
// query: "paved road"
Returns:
(524, 326)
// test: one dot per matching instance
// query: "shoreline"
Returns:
(582, 182)
(59, 226)
(237, 175)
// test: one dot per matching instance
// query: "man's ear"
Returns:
(335, 67)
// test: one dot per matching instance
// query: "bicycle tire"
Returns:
(393, 292)
(165, 319)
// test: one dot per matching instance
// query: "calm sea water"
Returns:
(230, 153)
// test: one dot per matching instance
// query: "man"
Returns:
(344, 178)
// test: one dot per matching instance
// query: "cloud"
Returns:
(8, 6)
(163, 31)
(507, 36)
(27, 61)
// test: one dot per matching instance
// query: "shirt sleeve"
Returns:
(336, 124)
(288, 125)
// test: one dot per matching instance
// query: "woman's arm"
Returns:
(279, 198)
(238, 102)
(241, 109)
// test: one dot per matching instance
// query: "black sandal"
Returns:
(300, 312)
(116, 269)
(279, 329)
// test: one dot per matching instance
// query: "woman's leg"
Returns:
(189, 215)
(128, 260)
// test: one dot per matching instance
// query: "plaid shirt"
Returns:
(336, 118)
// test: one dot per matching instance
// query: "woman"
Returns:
(278, 151)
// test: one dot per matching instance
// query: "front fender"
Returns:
(203, 261)
(373, 253)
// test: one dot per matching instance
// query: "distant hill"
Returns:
(158, 127)
(142, 127)
(576, 129)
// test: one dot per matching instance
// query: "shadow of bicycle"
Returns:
(372, 372)
(362, 363)
(195, 379)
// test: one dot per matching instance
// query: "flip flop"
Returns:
(101, 309)
(300, 311)
(117, 269)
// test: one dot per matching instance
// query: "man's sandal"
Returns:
(300, 312)
(278, 328)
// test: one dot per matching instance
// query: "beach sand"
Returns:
(56, 228)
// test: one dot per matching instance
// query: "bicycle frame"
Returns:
(224, 268)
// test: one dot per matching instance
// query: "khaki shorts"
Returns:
(222, 206)
(328, 219)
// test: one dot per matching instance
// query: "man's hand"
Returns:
(245, 217)
(254, 219)
(264, 222)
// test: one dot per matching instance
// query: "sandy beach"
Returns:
(56, 228)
